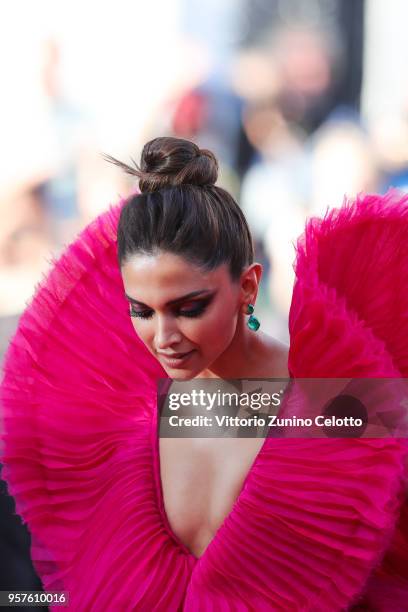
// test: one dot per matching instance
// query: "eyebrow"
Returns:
(177, 300)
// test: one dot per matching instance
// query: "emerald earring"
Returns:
(252, 322)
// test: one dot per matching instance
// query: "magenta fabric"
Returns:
(320, 524)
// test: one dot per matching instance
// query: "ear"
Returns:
(249, 281)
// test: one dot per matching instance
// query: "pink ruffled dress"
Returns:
(319, 525)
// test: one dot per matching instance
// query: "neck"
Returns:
(238, 360)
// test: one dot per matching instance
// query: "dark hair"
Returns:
(181, 211)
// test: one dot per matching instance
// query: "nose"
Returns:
(167, 333)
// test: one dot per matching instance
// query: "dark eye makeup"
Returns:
(181, 312)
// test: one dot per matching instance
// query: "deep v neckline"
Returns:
(160, 496)
(155, 441)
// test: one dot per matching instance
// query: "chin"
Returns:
(180, 374)
(183, 373)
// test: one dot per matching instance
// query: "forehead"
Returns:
(162, 277)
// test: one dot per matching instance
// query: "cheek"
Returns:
(213, 332)
(144, 331)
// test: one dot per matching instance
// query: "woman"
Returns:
(190, 284)
(123, 520)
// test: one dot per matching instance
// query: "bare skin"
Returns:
(201, 478)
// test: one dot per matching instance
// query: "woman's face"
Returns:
(185, 316)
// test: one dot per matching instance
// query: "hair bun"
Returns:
(167, 162)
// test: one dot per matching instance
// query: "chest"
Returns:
(201, 479)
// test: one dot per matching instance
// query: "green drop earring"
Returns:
(252, 322)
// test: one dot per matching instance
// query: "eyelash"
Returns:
(147, 314)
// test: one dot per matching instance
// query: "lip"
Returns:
(177, 360)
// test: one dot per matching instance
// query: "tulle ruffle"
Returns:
(78, 400)
(318, 525)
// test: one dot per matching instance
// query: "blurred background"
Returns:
(303, 101)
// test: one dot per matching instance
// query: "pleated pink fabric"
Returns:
(319, 525)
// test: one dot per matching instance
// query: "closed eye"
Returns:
(141, 314)
(182, 312)
(193, 312)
